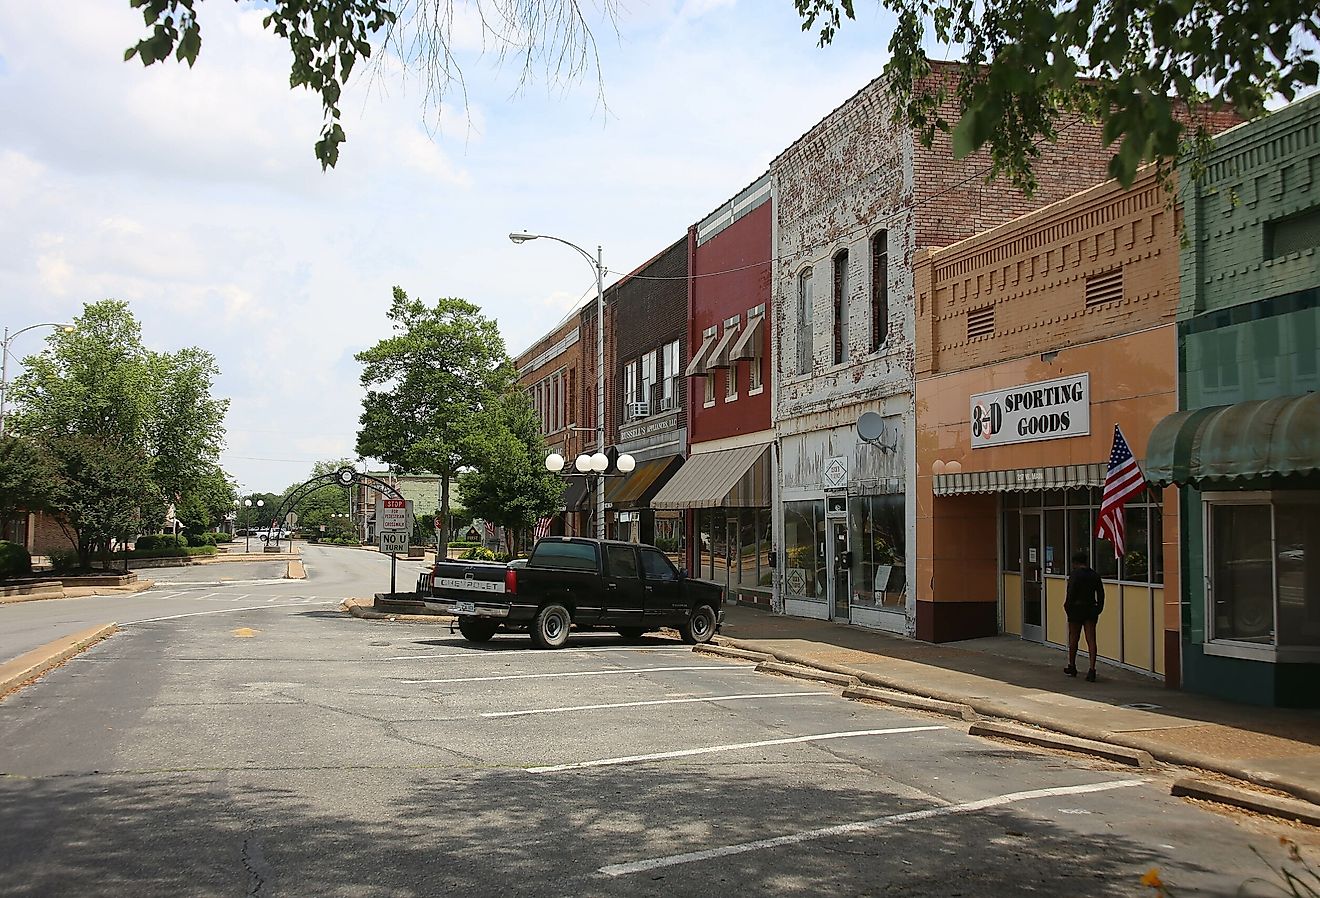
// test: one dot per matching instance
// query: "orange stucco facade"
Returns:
(1087, 286)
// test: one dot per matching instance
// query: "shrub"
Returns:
(151, 541)
(14, 560)
(205, 538)
(463, 544)
(477, 553)
(62, 561)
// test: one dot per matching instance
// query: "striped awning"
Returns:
(637, 489)
(1020, 480)
(1259, 439)
(736, 478)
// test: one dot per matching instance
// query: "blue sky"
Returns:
(195, 196)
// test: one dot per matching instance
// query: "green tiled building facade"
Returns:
(1249, 330)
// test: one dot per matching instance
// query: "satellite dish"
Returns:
(870, 427)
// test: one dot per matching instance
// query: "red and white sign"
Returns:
(392, 514)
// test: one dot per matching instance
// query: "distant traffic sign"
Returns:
(393, 542)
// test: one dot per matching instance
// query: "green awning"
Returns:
(1228, 445)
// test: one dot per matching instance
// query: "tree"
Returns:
(26, 477)
(324, 506)
(1149, 70)
(98, 389)
(429, 387)
(510, 486)
(207, 500)
(328, 38)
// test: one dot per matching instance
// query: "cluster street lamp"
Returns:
(4, 361)
(593, 465)
(247, 531)
(599, 268)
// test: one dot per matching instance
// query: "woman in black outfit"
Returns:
(1083, 604)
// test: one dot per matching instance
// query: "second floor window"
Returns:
(879, 289)
(804, 332)
(648, 378)
(840, 287)
(670, 372)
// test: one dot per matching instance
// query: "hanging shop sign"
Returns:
(1048, 410)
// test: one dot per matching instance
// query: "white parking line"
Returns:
(152, 620)
(689, 752)
(509, 653)
(848, 829)
(663, 701)
(740, 668)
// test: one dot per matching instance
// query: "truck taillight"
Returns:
(511, 582)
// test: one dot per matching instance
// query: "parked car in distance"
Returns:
(572, 582)
(274, 533)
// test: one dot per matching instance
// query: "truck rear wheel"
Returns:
(551, 627)
(700, 627)
(477, 630)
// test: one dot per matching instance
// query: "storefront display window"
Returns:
(669, 535)
(1265, 582)
(1011, 529)
(878, 541)
(1056, 550)
(1070, 526)
(804, 549)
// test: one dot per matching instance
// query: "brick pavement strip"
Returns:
(13, 674)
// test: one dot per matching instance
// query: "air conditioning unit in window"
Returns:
(668, 403)
(638, 410)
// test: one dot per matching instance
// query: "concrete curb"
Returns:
(914, 702)
(990, 708)
(726, 652)
(1271, 805)
(29, 665)
(1045, 739)
(34, 592)
(80, 592)
(366, 612)
(806, 672)
(295, 571)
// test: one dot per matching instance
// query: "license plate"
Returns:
(462, 607)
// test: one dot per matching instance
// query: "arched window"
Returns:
(841, 307)
(805, 335)
(879, 289)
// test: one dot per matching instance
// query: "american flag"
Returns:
(542, 529)
(1123, 481)
(490, 529)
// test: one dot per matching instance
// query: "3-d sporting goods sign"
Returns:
(1049, 410)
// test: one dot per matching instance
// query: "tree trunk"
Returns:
(442, 533)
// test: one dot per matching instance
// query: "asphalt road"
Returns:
(278, 748)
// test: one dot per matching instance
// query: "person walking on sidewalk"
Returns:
(1083, 604)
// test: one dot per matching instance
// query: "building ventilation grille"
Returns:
(981, 322)
(1103, 288)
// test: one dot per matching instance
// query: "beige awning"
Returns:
(719, 356)
(1061, 477)
(697, 366)
(737, 478)
(748, 345)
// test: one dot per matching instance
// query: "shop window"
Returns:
(804, 549)
(840, 293)
(878, 540)
(1011, 533)
(747, 555)
(1136, 545)
(1102, 558)
(879, 289)
(805, 333)
(764, 545)
(669, 536)
(1157, 544)
(1055, 498)
(1056, 551)
(1080, 524)
(1265, 575)
(719, 546)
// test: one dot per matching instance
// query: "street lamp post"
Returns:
(4, 362)
(247, 531)
(592, 466)
(599, 267)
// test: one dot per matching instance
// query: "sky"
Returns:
(194, 195)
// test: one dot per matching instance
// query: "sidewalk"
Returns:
(1006, 677)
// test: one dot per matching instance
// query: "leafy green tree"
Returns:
(1030, 68)
(207, 500)
(509, 485)
(26, 477)
(429, 387)
(328, 38)
(98, 388)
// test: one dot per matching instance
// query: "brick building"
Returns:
(551, 370)
(1245, 449)
(646, 314)
(855, 198)
(1033, 340)
(726, 481)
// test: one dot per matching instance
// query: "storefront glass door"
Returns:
(1033, 583)
(840, 579)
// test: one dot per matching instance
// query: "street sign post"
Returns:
(393, 542)
(393, 528)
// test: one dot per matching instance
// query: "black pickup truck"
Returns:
(574, 582)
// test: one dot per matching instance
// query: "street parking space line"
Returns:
(152, 620)
(690, 752)
(661, 701)
(540, 653)
(739, 668)
(848, 829)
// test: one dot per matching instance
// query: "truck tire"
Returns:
(700, 627)
(551, 627)
(477, 630)
(632, 634)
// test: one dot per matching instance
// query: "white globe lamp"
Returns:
(600, 462)
(554, 462)
(626, 463)
(582, 463)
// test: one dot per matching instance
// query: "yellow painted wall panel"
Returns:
(1109, 630)
(1056, 622)
(1013, 604)
(1157, 596)
(1137, 612)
